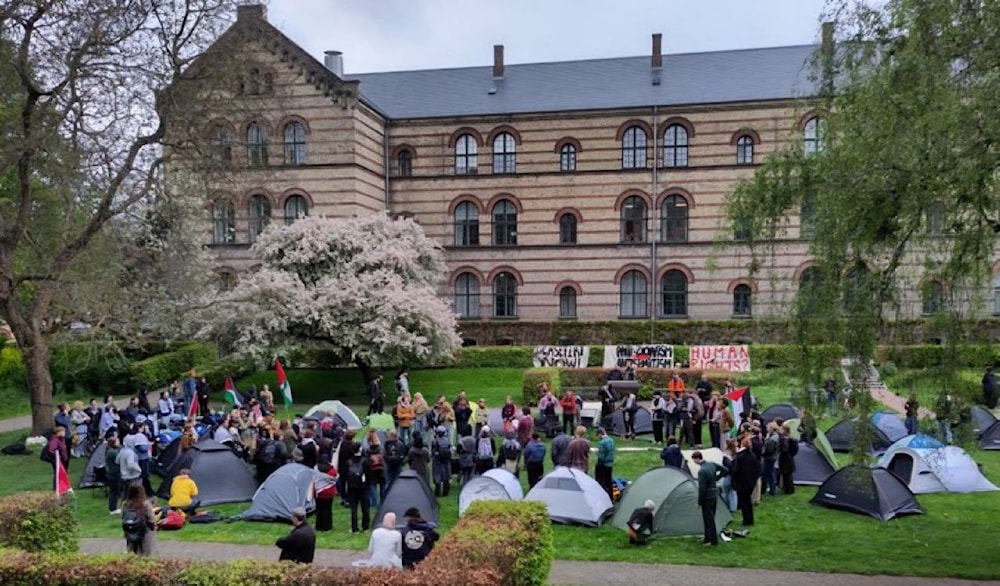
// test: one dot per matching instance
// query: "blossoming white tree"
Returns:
(363, 287)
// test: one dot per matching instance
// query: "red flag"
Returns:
(193, 408)
(63, 485)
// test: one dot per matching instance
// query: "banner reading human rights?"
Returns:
(734, 358)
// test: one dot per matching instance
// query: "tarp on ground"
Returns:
(675, 494)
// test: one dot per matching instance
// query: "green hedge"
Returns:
(158, 371)
(928, 356)
(37, 521)
(495, 357)
(533, 377)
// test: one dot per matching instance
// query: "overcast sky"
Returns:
(392, 35)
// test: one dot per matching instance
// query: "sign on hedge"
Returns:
(731, 358)
(648, 356)
(562, 356)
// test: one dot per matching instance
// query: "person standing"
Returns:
(704, 389)
(708, 495)
(406, 415)
(57, 448)
(559, 449)
(568, 405)
(534, 459)
(746, 474)
(990, 388)
(358, 472)
(658, 411)
(441, 466)
(604, 470)
(376, 397)
(300, 544)
(912, 407)
(418, 457)
(395, 455)
(113, 474)
(326, 490)
(608, 399)
(830, 386)
(768, 480)
(578, 451)
(945, 412)
(138, 522)
(788, 447)
(630, 405)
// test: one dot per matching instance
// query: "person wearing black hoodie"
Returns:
(347, 448)
(309, 449)
(418, 538)
(671, 454)
(745, 474)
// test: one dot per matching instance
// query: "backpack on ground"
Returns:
(485, 449)
(443, 445)
(356, 474)
(134, 525)
(172, 520)
(376, 461)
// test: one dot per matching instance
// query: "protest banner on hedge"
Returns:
(734, 358)
(643, 356)
(562, 356)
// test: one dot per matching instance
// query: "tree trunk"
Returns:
(35, 355)
(366, 371)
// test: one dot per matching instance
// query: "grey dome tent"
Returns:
(409, 490)
(783, 411)
(990, 440)
(572, 497)
(868, 491)
(982, 420)
(891, 425)
(675, 494)
(219, 473)
(89, 478)
(162, 463)
(288, 487)
(494, 485)
(811, 466)
(615, 423)
(841, 436)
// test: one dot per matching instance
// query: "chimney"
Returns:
(497, 61)
(334, 61)
(656, 59)
(250, 12)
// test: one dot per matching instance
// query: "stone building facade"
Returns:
(590, 190)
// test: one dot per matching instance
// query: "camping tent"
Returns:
(89, 477)
(783, 411)
(346, 415)
(982, 419)
(286, 488)
(615, 423)
(890, 424)
(990, 440)
(918, 441)
(219, 473)
(676, 496)
(948, 468)
(494, 485)
(841, 436)
(868, 491)
(381, 421)
(572, 497)
(409, 490)
(819, 443)
(812, 466)
(709, 454)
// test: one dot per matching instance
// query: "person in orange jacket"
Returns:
(675, 385)
(569, 410)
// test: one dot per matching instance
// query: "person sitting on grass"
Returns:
(184, 493)
(640, 524)
(386, 545)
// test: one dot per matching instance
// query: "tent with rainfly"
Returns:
(675, 494)
(891, 425)
(615, 423)
(876, 492)
(783, 411)
(221, 476)
(346, 415)
(494, 485)
(572, 497)
(89, 477)
(291, 486)
(409, 490)
(982, 419)
(935, 469)
(815, 461)
(842, 434)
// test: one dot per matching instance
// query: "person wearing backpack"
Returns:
(485, 448)
(510, 452)
(138, 522)
(788, 447)
(376, 482)
(357, 474)
(271, 455)
(344, 454)
(442, 462)
(128, 465)
(395, 455)
(466, 458)
(769, 460)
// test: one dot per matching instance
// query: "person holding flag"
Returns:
(740, 402)
(283, 386)
(230, 395)
(58, 453)
(193, 408)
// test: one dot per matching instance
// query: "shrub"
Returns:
(37, 521)
(217, 371)
(88, 367)
(160, 370)
(533, 377)
(11, 366)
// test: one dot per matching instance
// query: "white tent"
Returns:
(345, 413)
(572, 497)
(709, 454)
(494, 485)
(924, 470)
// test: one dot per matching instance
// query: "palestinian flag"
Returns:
(63, 485)
(283, 386)
(193, 407)
(230, 395)
(739, 403)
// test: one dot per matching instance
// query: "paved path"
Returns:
(563, 572)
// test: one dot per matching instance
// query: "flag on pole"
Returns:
(63, 485)
(739, 403)
(286, 389)
(193, 407)
(230, 395)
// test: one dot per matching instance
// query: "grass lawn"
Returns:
(927, 384)
(15, 402)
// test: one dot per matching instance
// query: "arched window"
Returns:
(295, 143)
(634, 219)
(567, 229)
(674, 294)
(744, 150)
(256, 145)
(260, 215)
(222, 145)
(466, 224)
(223, 223)
(674, 219)
(812, 135)
(932, 299)
(634, 148)
(567, 158)
(742, 306)
(504, 223)
(467, 295)
(404, 163)
(504, 153)
(505, 295)
(466, 155)
(935, 219)
(675, 146)
(567, 302)
(632, 302)
(296, 208)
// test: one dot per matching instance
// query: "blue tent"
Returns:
(890, 424)
(918, 441)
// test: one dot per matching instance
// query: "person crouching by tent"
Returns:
(184, 493)
(418, 538)
(300, 544)
(640, 524)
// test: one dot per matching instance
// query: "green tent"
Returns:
(821, 444)
(675, 494)
(382, 421)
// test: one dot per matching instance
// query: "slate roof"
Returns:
(692, 78)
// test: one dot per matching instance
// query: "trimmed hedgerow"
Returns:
(160, 370)
(37, 521)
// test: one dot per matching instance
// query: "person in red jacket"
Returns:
(569, 410)
(57, 448)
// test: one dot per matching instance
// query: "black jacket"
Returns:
(299, 545)
(418, 541)
(746, 470)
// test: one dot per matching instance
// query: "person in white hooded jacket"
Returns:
(128, 463)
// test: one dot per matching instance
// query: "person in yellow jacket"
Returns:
(184, 493)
